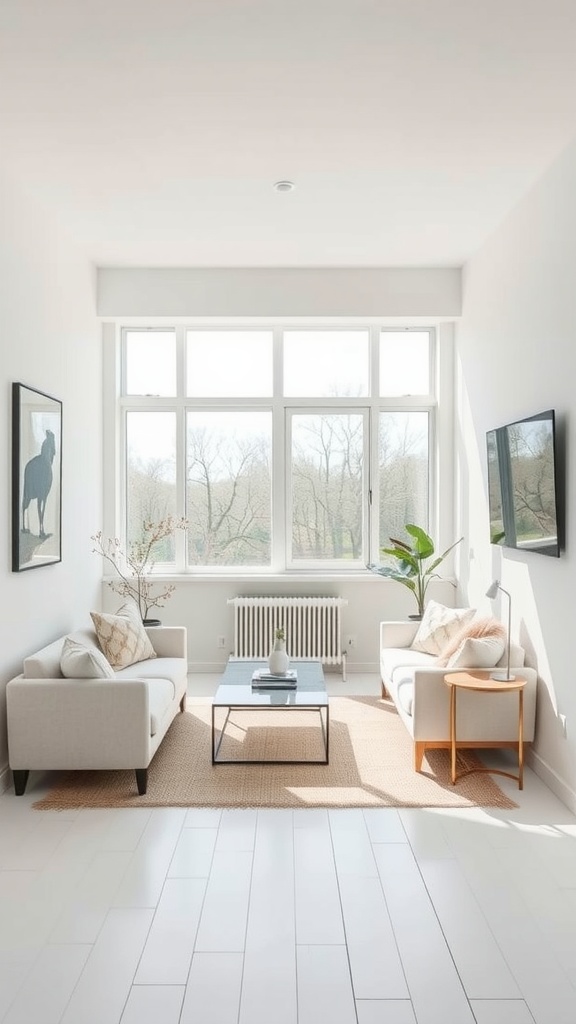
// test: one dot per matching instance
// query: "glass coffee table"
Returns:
(236, 693)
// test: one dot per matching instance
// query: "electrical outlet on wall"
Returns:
(220, 642)
(351, 641)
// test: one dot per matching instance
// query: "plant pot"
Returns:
(278, 661)
(151, 622)
(415, 618)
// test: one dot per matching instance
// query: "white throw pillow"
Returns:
(438, 626)
(478, 653)
(80, 662)
(122, 637)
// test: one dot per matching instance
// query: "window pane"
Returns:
(403, 463)
(404, 363)
(150, 475)
(322, 364)
(151, 363)
(327, 471)
(228, 487)
(229, 364)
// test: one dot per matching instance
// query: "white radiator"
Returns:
(312, 626)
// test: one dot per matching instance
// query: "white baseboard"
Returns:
(550, 778)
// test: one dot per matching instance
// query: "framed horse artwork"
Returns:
(36, 478)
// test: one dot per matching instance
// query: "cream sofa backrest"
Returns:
(517, 655)
(45, 664)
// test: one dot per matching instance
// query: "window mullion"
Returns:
(181, 535)
(279, 482)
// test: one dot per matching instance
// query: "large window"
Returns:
(284, 448)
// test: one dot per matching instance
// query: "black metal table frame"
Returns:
(267, 708)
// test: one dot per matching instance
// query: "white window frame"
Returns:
(282, 410)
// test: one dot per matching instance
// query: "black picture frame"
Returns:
(36, 478)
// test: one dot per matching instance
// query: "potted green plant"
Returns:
(413, 569)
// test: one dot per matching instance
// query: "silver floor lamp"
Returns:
(491, 593)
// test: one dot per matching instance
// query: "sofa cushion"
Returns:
(160, 698)
(439, 624)
(394, 659)
(404, 691)
(122, 638)
(79, 661)
(170, 669)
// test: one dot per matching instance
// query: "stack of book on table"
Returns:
(265, 680)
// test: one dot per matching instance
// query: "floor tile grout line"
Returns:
(342, 915)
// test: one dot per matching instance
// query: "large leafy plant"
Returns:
(413, 566)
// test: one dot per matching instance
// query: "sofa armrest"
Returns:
(168, 641)
(397, 634)
(78, 723)
(482, 716)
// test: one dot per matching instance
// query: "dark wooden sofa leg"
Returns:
(183, 703)
(20, 777)
(142, 780)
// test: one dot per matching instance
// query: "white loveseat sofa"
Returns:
(95, 723)
(416, 685)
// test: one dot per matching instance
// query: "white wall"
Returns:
(50, 339)
(201, 605)
(516, 345)
(279, 292)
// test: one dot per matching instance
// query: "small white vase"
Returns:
(278, 661)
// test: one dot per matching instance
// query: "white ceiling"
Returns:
(156, 128)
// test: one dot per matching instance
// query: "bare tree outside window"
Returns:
(403, 460)
(327, 486)
(150, 476)
(228, 488)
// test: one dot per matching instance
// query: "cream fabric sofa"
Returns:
(58, 723)
(416, 685)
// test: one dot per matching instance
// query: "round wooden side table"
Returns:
(483, 683)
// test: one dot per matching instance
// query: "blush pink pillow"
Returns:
(478, 629)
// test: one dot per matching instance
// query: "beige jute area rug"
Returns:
(370, 766)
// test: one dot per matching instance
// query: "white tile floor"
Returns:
(288, 917)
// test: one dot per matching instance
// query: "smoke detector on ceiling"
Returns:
(284, 186)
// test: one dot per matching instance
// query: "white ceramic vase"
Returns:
(278, 661)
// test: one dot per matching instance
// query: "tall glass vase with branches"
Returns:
(135, 565)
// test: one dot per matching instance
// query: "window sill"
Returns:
(307, 576)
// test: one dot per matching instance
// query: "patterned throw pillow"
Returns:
(122, 637)
(438, 626)
(78, 661)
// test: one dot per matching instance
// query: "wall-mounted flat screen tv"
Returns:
(523, 485)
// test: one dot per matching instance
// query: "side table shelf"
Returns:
(482, 682)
